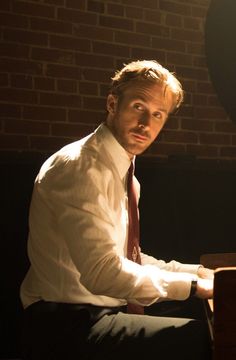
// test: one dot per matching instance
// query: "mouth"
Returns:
(140, 137)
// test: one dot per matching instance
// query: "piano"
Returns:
(221, 310)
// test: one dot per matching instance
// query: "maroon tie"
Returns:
(133, 252)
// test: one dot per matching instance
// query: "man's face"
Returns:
(137, 118)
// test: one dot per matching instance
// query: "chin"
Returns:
(136, 151)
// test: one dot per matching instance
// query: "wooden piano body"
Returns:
(221, 310)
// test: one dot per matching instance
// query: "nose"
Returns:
(145, 120)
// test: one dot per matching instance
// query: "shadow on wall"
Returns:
(220, 29)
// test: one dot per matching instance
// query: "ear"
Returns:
(111, 103)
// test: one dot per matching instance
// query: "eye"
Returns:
(158, 115)
(138, 106)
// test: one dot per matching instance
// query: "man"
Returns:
(81, 276)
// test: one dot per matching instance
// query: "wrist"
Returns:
(193, 289)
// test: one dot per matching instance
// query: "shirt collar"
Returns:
(117, 152)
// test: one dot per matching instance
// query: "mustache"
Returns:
(140, 131)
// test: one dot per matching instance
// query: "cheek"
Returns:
(156, 130)
(129, 120)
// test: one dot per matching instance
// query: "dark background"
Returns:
(220, 30)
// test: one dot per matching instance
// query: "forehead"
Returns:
(149, 92)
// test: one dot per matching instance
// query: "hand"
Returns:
(205, 273)
(204, 288)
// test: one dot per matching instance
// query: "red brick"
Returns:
(197, 125)
(172, 123)
(117, 23)
(168, 44)
(199, 11)
(154, 16)
(69, 42)
(195, 48)
(94, 60)
(76, 16)
(234, 139)
(88, 88)
(109, 48)
(152, 29)
(51, 25)
(43, 83)
(214, 139)
(192, 73)
(179, 136)
(68, 86)
(213, 100)
(5, 6)
(52, 55)
(18, 96)
(75, 4)
(20, 66)
(229, 151)
(14, 50)
(175, 8)
(4, 80)
(178, 58)
(25, 37)
(48, 143)
(132, 38)
(187, 104)
(33, 9)
(210, 113)
(14, 20)
(71, 130)
(104, 89)
(13, 142)
(96, 6)
(205, 87)
(22, 81)
(10, 110)
(94, 103)
(174, 20)
(187, 35)
(189, 85)
(142, 53)
(117, 10)
(225, 127)
(60, 100)
(96, 75)
(199, 99)
(203, 150)
(92, 32)
(26, 127)
(56, 2)
(199, 61)
(192, 23)
(158, 148)
(86, 116)
(62, 71)
(150, 4)
(44, 113)
(186, 110)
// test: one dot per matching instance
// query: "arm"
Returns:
(89, 225)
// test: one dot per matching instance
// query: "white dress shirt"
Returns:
(78, 233)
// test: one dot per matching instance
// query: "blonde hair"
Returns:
(148, 70)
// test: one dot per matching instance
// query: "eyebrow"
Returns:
(142, 98)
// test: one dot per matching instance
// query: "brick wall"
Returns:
(57, 57)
